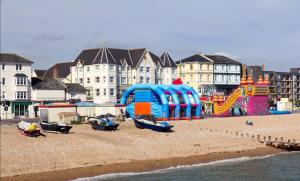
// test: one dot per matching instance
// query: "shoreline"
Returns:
(138, 166)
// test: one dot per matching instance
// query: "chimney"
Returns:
(55, 73)
(263, 67)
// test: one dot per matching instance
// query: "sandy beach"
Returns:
(86, 152)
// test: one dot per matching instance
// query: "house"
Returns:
(107, 72)
(15, 89)
(75, 92)
(38, 73)
(197, 71)
(60, 71)
(170, 68)
(47, 89)
(226, 73)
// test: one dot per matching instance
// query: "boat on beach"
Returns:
(104, 122)
(55, 127)
(28, 129)
(275, 111)
(149, 122)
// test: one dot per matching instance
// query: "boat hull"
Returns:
(55, 127)
(34, 133)
(143, 125)
(96, 126)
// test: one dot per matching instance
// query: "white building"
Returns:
(107, 72)
(170, 69)
(227, 73)
(15, 89)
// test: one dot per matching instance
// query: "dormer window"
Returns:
(18, 67)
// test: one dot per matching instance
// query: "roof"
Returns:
(47, 84)
(156, 59)
(39, 73)
(220, 59)
(10, 57)
(195, 58)
(167, 60)
(59, 70)
(75, 87)
(106, 55)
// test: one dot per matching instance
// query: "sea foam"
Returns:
(127, 174)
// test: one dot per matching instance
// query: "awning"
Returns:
(20, 75)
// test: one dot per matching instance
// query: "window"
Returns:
(173, 71)
(21, 81)
(141, 69)
(191, 66)
(200, 66)
(123, 80)
(21, 95)
(147, 80)
(104, 91)
(4, 95)
(88, 80)
(223, 67)
(104, 78)
(111, 79)
(18, 67)
(3, 66)
(111, 91)
(97, 92)
(208, 77)
(3, 81)
(111, 67)
(88, 68)
(147, 69)
(123, 67)
(97, 79)
(97, 67)
(81, 80)
(80, 69)
(200, 77)
(128, 68)
(141, 79)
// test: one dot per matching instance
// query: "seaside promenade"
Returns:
(86, 152)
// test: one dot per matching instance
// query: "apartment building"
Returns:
(284, 85)
(107, 72)
(197, 71)
(15, 89)
(226, 73)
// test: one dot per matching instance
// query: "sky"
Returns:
(254, 32)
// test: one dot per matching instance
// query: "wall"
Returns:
(40, 95)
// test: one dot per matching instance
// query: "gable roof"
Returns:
(167, 60)
(136, 55)
(220, 59)
(46, 84)
(195, 58)
(10, 57)
(156, 59)
(72, 87)
(39, 73)
(59, 70)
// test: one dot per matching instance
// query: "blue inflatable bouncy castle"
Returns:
(165, 102)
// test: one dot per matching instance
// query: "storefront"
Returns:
(21, 108)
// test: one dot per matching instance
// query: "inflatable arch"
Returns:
(152, 99)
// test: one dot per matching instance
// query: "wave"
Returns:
(218, 162)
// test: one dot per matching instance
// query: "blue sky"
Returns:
(254, 31)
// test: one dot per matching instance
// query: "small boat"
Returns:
(249, 123)
(56, 127)
(275, 111)
(28, 129)
(103, 122)
(149, 122)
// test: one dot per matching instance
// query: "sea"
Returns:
(282, 166)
